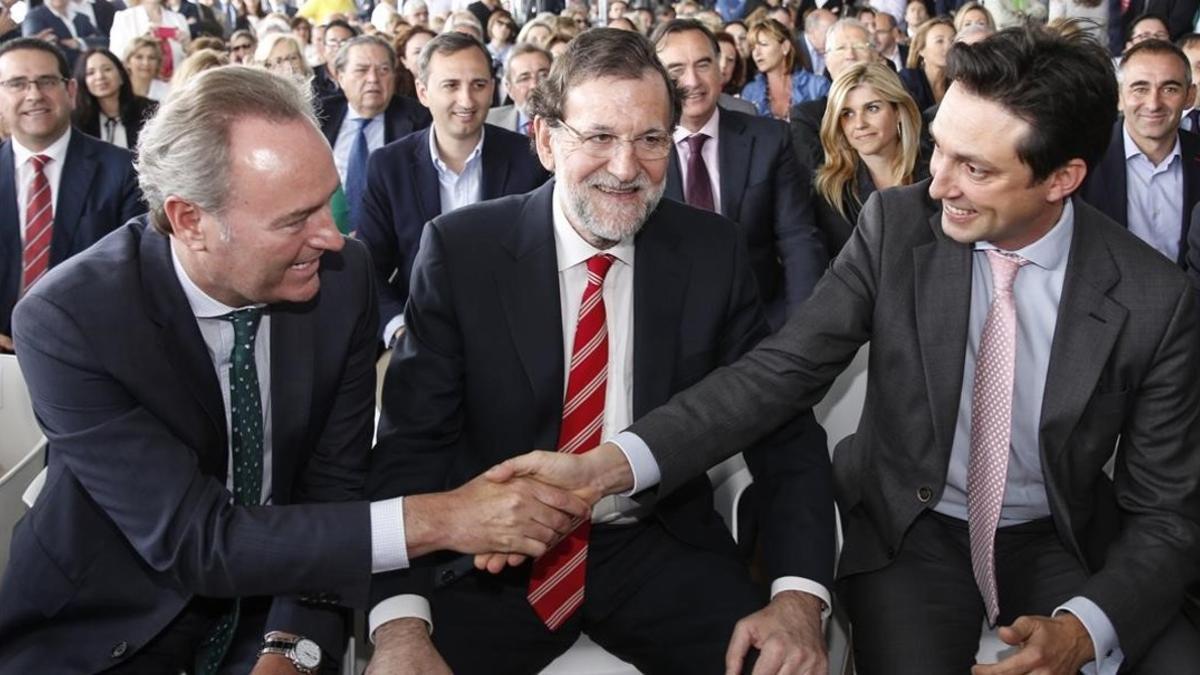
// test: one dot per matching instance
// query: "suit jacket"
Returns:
(730, 102)
(104, 11)
(40, 18)
(1122, 373)
(1106, 186)
(478, 376)
(402, 117)
(505, 117)
(763, 190)
(133, 116)
(134, 519)
(97, 192)
(806, 132)
(403, 194)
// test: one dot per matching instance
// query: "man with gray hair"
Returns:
(205, 376)
(528, 64)
(550, 320)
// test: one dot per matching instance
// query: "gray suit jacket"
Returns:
(1122, 374)
(504, 116)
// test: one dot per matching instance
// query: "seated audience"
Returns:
(337, 33)
(242, 44)
(464, 22)
(527, 66)
(502, 33)
(198, 62)
(105, 105)
(148, 19)
(779, 84)
(281, 54)
(973, 14)
(924, 75)
(416, 13)
(870, 137)
(60, 23)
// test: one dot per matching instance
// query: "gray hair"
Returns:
(842, 24)
(183, 150)
(463, 18)
(413, 6)
(447, 44)
(521, 49)
(343, 55)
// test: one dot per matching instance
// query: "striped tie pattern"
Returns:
(39, 224)
(556, 584)
(991, 425)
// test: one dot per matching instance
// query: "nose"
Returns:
(325, 235)
(941, 187)
(623, 164)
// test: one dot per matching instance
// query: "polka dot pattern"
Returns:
(991, 425)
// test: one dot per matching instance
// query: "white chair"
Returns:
(13, 485)
(20, 430)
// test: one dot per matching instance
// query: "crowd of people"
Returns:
(601, 248)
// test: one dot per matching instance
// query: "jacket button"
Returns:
(119, 649)
(924, 494)
(447, 576)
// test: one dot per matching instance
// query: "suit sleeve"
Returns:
(376, 229)
(421, 430)
(179, 522)
(799, 242)
(130, 200)
(336, 469)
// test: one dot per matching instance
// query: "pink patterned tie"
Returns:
(991, 425)
(556, 583)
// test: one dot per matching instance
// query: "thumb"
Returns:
(521, 465)
(1018, 632)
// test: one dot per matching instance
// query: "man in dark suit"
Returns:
(500, 316)
(1149, 180)
(50, 21)
(104, 11)
(528, 64)
(886, 41)
(745, 169)
(457, 161)
(975, 487)
(91, 185)
(204, 381)
(810, 44)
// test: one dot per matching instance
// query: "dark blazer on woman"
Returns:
(918, 86)
(133, 115)
(836, 228)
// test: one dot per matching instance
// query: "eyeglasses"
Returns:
(18, 85)
(653, 145)
(855, 46)
(241, 47)
(279, 61)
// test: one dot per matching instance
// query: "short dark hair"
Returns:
(595, 53)
(1063, 86)
(35, 44)
(1157, 48)
(446, 44)
(681, 26)
(341, 23)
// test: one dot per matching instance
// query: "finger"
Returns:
(735, 654)
(1009, 635)
(771, 657)
(1021, 629)
(496, 564)
(530, 531)
(516, 560)
(521, 465)
(562, 500)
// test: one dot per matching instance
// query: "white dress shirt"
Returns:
(57, 152)
(712, 129)
(118, 138)
(347, 134)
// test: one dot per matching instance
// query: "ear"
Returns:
(1066, 180)
(422, 92)
(541, 139)
(185, 218)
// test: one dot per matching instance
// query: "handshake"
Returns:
(518, 509)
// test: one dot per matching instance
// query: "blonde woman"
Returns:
(973, 14)
(143, 60)
(149, 18)
(282, 54)
(871, 135)
(924, 76)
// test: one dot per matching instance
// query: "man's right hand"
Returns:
(519, 516)
(403, 646)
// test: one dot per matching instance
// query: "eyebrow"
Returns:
(959, 156)
(1163, 83)
(303, 212)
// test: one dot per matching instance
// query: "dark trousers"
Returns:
(922, 614)
(660, 604)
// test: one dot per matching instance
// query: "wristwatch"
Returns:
(304, 654)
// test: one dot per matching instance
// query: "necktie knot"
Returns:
(245, 326)
(598, 266)
(362, 124)
(696, 142)
(1004, 270)
(39, 162)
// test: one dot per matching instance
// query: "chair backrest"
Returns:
(12, 487)
(841, 408)
(19, 432)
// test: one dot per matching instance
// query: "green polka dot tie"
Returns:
(245, 413)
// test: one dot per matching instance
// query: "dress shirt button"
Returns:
(924, 494)
(119, 649)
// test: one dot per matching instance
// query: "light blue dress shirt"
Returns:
(1155, 197)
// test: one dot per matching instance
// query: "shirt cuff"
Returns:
(395, 324)
(399, 607)
(646, 473)
(1109, 656)
(389, 548)
(805, 586)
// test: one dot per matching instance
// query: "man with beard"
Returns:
(550, 320)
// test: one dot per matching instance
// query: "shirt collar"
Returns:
(1131, 148)
(70, 13)
(57, 151)
(711, 128)
(1051, 251)
(352, 114)
(203, 305)
(570, 247)
(441, 167)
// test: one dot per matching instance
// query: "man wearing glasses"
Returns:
(60, 190)
(550, 320)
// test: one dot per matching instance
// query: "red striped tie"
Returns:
(39, 219)
(556, 585)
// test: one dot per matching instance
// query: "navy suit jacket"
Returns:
(134, 519)
(403, 116)
(1106, 186)
(765, 191)
(98, 191)
(40, 18)
(403, 194)
(478, 375)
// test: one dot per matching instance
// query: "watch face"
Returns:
(308, 654)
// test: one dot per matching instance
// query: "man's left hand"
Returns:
(787, 634)
(1058, 646)
(274, 664)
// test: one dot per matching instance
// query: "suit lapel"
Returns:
(1089, 323)
(659, 284)
(528, 286)
(79, 170)
(181, 341)
(495, 169)
(292, 367)
(10, 218)
(429, 196)
(942, 285)
(734, 150)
